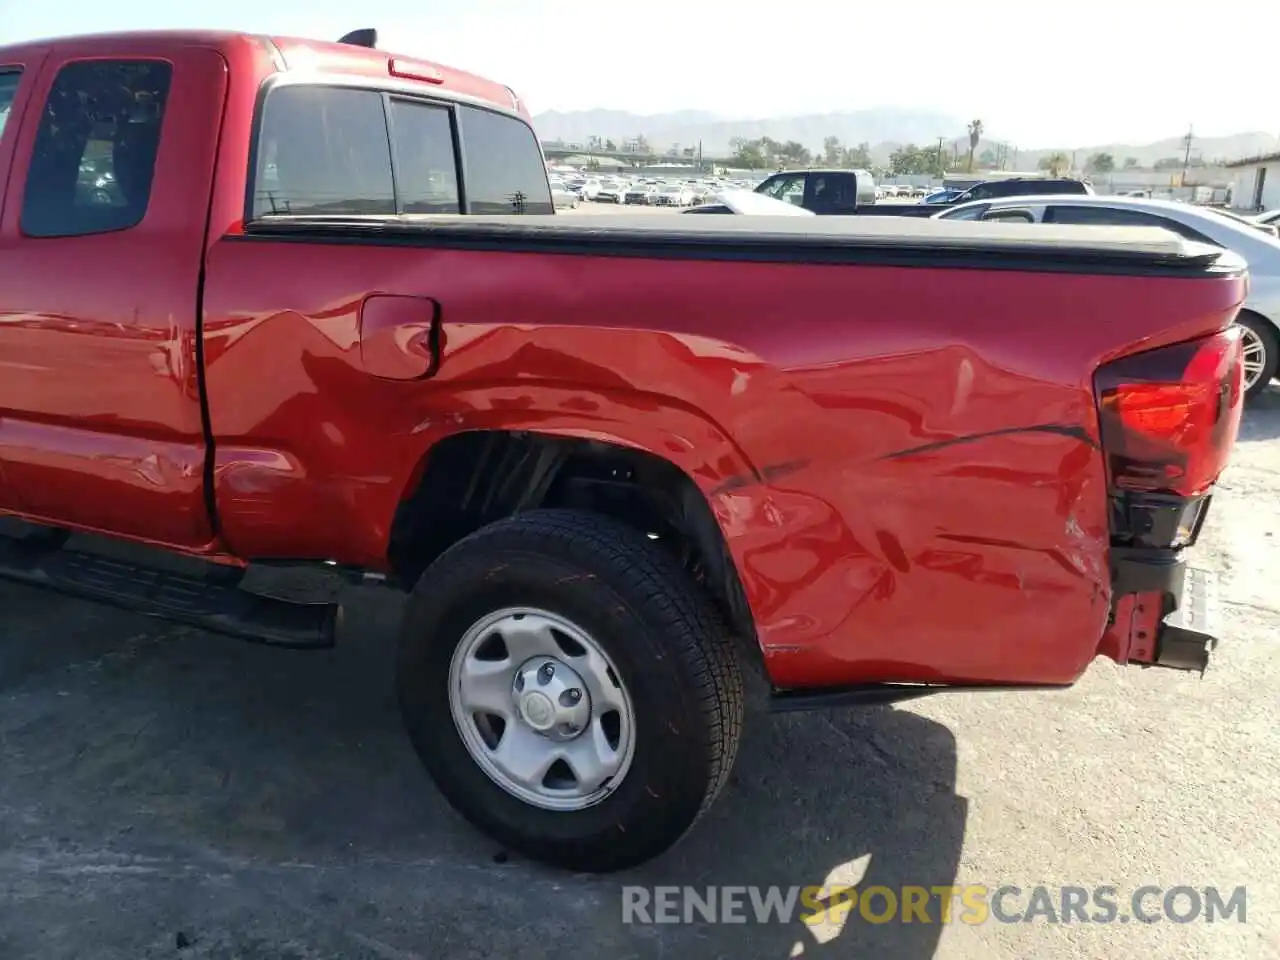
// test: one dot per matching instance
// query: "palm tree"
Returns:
(975, 137)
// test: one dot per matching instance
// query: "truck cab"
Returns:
(824, 192)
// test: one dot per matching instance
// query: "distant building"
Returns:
(1255, 182)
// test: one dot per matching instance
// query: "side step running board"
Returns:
(212, 602)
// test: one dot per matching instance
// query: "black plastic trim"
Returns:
(212, 601)
(581, 239)
(1144, 570)
(881, 694)
(1152, 520)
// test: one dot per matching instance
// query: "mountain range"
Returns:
(885, 129)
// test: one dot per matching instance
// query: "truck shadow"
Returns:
(864, 797)
(161, 779)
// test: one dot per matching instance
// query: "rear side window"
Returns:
(1119, 217)
(1045, 187)
(95, 151)
(323, 150)
(1104, 216)
(967, 213)
(426, 174)
(8, 91)
(505, 170)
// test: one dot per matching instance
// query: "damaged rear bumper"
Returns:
(1165, 613)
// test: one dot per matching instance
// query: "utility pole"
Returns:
(941, 169)
(1186, 157)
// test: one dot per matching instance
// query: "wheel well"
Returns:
(1270, 324)
(472, 479)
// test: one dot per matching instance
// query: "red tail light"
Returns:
(1169, 417)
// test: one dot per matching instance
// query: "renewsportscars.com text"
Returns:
(971, 904)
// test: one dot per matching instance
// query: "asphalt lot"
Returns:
(172, 794)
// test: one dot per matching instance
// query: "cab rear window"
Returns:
(323, 151)
(339, 151)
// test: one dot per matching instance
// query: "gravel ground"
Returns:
(168, 793)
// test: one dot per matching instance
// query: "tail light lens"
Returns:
(1169, 417)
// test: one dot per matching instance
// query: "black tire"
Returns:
(1266, 333)
(666, 639)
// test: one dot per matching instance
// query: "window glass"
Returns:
(983, 191)
(1115, 216)
(1014, 216)
(8, 90)
(505, 170)
(95, 151)
(967, 213)
(323, 151)
(1104, 216)
(426, 174)
(789, 189)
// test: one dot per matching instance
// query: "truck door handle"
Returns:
(400, 336)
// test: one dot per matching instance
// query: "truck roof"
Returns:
(824, 170)
(291, 53)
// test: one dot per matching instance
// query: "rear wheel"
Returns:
(1261, 355)
(572, 692)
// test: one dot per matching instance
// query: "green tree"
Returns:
(748, 153)
(767, 153)
(794, 154)
(910, 159)
(858, 157)
(1130, 162)
(610, 145)
(1101, 163)
(1055, 163)
(833, 154)
(975, 137)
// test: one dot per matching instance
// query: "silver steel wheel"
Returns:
(1255, 356)
(541, 709)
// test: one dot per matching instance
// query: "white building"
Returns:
(1255, 182)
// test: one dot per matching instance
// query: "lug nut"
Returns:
(575, 695)
(547, 672)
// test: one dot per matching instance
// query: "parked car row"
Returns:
(644, 191)
(899, 191)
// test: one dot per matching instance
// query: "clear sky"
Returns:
(1037, 73)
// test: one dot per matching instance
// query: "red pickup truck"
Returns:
(276, 301)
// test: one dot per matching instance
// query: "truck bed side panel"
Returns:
(903, 461)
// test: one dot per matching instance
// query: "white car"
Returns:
(673, 195)
(750, 203)
(611, 192)
(1260, 315)
(640, 193)
(563, 196)
(585, 187)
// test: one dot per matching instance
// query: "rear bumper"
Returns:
(1172, 621)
